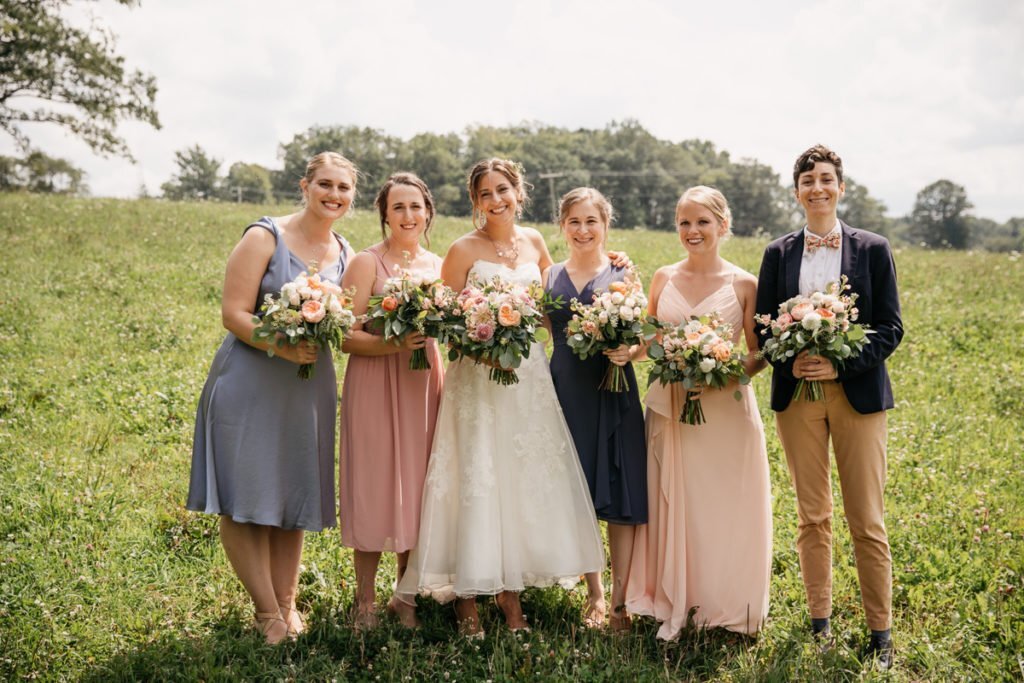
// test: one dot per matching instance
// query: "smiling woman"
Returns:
(505, 504)
(387, 409)
(263, 451)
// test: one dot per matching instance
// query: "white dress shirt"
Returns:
(822, 267)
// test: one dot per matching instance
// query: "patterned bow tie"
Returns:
(812, 242)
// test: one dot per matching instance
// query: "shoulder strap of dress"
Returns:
(267, 223)
(556, 270)
(345, 249)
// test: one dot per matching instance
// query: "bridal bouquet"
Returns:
(412, 303)
(496, 323)
(698, 353)
(307, 309)
(821, 324)
(615, 318)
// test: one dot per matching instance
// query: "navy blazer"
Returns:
(868, 264)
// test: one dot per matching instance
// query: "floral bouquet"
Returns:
(497, 323)
(821, 324)
(615, 318)
(697, 353)
(413, 303)
(307, 308)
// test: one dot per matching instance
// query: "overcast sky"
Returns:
(907, 92)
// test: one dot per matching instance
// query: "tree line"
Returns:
(641, 174)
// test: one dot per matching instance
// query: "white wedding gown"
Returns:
(505, 504)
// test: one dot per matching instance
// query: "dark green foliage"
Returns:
(52, 72)
(939, 216)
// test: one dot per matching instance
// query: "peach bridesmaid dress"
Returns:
(708, 542)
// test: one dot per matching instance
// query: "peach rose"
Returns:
(722, 351)
(826, 314)
(800, 310)
(508, 316)
(619, 287)
(313, 311)
(389, 303)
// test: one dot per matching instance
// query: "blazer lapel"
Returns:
(794, 256)
(851, 247)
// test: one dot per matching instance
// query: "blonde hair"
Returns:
(332, 158)
(713, 200)
(583, 194)
(512, 170)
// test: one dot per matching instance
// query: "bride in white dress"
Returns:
(505, 504)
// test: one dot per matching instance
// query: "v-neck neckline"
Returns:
(694, 307)
(579, 291)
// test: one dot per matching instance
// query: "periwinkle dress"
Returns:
(263, 451)
(607, 428)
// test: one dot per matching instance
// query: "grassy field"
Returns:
(109, 317)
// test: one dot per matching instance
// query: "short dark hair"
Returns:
(805, 162)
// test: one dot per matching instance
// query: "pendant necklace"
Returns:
(511, 253)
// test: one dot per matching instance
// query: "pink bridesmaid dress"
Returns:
(708, 542)
(387, 425)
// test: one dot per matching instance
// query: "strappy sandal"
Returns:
(404, 612)
(293, 633)
(514, 629)
(265, 622)
(364, 619)
(619, 621)
(469, 626)
(594, 616)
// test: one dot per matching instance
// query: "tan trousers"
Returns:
(859, 444)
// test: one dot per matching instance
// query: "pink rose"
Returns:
(313, 311)
(800, 310)
(484, 331)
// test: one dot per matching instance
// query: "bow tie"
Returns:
(831, 241)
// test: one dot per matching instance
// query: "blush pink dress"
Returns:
(387, 425)
(708, 542)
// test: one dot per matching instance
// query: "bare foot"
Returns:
(596, 612)
(364, 616)
(468, 618)
(510, 606)
(405, 612)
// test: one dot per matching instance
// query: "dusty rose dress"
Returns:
(708, 542)
(387, 425)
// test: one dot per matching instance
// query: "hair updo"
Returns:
(411, 180)
(513, 172)
(713, 200)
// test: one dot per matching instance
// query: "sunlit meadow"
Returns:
(109, 317)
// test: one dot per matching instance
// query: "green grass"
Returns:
(109, 317)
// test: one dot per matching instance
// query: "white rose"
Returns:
(617, 298)
(838, 307)
(334, 305)
(603, 317)
(606, 300)
(637, 311)
(630, 301)
(707, 365)
(811, 321)
(626, 313)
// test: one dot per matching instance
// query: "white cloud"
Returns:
(907, 92)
